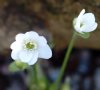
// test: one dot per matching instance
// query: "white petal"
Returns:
(19, 37)
(77, 27)
(81, 14)
(16, 46)
(15, 55)
(90, 28)
(31, 35)
(25, 56)
(34, 59)
(45, 52)
(79, 20)
(13, 45)
(93, 27)
(41, 41)
(88, 18)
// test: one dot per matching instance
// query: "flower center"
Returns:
(30, 45)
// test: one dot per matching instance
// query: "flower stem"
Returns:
(33, 76)
(57, 82)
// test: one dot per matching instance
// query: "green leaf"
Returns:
(52, 87)
(13, 67)
(17, 66)
(65, 86)
(21, 65)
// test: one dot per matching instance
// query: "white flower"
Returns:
(85, 22)
(29, 47)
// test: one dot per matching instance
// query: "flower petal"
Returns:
(16, 46)
(19, 37)
(31, 35)
(81, 14)
(79, 20)
(90, 28)
(45, 52)
(25, 56)
(13, 45)
(15, 55)
(41, 41)
(93, 27)
(34, 59)
(88, 18)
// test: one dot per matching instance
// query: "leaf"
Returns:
(13, 67)
(21, 65)
(17, 66)
(52, 87)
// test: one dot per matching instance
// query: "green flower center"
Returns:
(30, 45)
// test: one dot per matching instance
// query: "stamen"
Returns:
(30, 45)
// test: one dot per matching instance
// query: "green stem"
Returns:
(33, 76)
(57, 82)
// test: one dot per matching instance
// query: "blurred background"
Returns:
(52, 19)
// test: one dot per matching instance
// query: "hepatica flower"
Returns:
(29, 47)
(85, 22)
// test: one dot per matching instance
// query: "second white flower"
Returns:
(85, 22)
